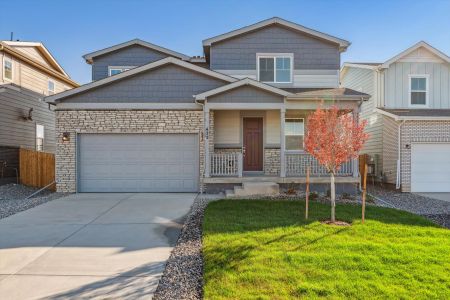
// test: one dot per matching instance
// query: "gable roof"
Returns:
(413, 48)
(88, 57)
(42, 49)
(242, 82)
(134, 71)
(335, 94)
(343, 44)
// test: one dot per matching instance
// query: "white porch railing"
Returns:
(226, 164)
(296, 164)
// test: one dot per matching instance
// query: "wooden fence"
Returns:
(37, 169)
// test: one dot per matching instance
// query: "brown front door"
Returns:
(253, 144)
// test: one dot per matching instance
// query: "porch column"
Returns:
(206, 140)
(355, 162)
(282, 143)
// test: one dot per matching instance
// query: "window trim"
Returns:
(275, 56)
(36, 137)
(49, 92)
(12, 69)
(427, 90)
(303, 135)
(121, 68)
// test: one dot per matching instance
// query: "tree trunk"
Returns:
(333, 199)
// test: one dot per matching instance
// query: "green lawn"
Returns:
(266, 250)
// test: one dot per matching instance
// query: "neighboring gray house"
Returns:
(408, 117)
(155, 120)
(28, 73)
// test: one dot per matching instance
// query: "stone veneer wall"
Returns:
(119, 121)
(272, 161)
(419, 132)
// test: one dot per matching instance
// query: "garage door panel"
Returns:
(430, 167)
(138, 163)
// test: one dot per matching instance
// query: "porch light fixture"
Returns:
(66, 136)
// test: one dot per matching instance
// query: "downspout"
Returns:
(202, 137)
(398, 181)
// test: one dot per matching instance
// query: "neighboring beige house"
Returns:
(156, 120)
(28, 73)
(408, 117)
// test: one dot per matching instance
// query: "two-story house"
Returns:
(28, 73)
(408, 117)
(155, 120)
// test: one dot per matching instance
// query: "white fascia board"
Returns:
(164, 61)
(411, 49)
(242, 82)
(412, 118)
(343, 44)
(243, 106)
(128, 106)
(88, 57)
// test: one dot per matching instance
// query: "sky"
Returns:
(377, 29)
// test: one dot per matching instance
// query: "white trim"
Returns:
(303, 134)
(236, 84)
(153, 65)
(412, 118)
(12, 68)
(88, 57)
(121, 68)
(414, 47)
(275, 20)
(244, 106)
(130, 106)
(427, 79)
(274, 56)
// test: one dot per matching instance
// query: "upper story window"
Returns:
(51, 87)
(117, 70)
(418, 90)
(39, 137)
(276, 68)
(294, 132)
(7, 69)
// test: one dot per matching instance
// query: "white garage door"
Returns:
(138, 163)
(430, 168)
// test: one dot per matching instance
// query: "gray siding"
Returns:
(363, 80)
(169, 83)
(397, 83)
(390, 149)
(14, 131)
(246, 94)
(239, 53)
(134, 55)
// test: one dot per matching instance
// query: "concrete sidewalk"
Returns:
(90, 246)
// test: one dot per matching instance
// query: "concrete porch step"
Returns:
(253, 189)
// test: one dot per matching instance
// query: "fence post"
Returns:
(239, 159)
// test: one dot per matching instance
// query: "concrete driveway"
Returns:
(90, 246)
(439, 196)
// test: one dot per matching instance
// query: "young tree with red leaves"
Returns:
(334, 137)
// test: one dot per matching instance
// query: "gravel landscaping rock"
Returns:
(12, 198)
(183, 276)
(436, 210)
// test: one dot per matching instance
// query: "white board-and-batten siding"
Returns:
(397, 83)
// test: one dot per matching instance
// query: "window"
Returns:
(117, 70)
(294, 131)
(418, 87)
(51, 87)
(275, 68)
(39, 137)
(7, 69)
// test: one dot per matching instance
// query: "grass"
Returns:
(257, 249)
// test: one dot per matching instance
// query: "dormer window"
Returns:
(117, 70)
(275, 68)
(418, 90)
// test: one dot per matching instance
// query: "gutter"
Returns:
(398, 177)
